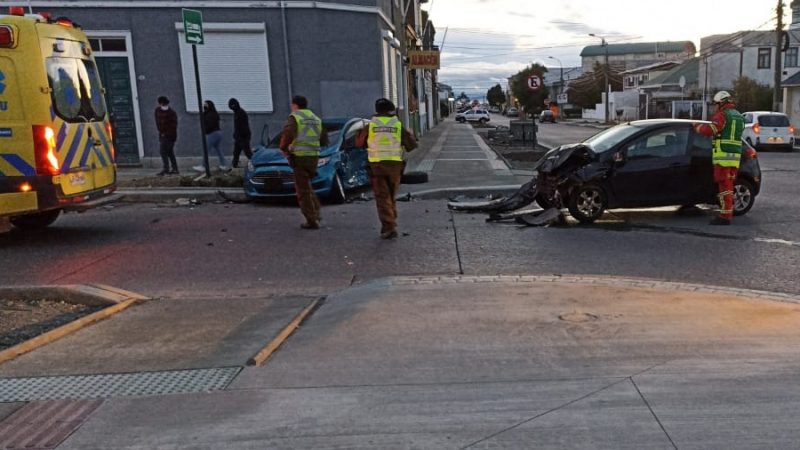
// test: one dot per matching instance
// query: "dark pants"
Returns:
(385, 178)
(239, 146)
(305, 169)
(167, 150)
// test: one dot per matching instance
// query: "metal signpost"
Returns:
(193, 30)
(534, 84)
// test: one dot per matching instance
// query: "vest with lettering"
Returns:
(309, 129)
(728, 142)
(384, 139)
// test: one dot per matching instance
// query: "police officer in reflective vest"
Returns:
(726, 130)
(386, 140)
(302, 137)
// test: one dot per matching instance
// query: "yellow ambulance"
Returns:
(56, 149)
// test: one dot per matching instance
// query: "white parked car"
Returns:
(473, 115)
(766, 130)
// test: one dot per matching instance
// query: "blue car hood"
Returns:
(273, 156)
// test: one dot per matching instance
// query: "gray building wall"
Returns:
(336, 62)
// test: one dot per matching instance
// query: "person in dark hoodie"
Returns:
(167, 125)
(241, 132)
(213, 134)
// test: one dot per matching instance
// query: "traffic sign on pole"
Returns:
(193, 26)
(534, 82)
(193, 30)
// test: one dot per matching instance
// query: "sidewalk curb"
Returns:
(599, 280)
(273, 346)
(116, 301)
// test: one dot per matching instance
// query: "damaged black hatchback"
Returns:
(646, 163)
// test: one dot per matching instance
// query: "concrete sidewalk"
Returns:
(489, 362)
(456, 159)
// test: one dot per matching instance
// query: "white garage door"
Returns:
(234, 62)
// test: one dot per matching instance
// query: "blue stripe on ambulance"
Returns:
(20, 164)
(74, 147)
(106, 153)
(62, 135)
(87, 150)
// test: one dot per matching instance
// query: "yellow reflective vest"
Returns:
(309, 130)
(728, 142)
(384, 142)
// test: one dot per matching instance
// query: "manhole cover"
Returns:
(578, 317)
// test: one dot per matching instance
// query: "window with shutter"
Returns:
(234, 63)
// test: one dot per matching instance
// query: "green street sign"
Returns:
(193, 26)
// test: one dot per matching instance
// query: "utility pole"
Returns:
(605, 74)
(777, 95)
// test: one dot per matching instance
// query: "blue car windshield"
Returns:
(607, 139)
(334, 131)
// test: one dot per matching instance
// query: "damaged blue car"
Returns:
(342, 166)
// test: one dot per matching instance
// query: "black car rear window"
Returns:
(773, 120)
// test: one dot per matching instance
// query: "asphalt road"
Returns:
(255, 249)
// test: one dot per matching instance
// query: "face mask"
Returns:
(164, 108)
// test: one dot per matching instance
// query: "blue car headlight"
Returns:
(250, 166)
(323, 161)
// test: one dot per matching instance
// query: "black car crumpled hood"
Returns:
(558, 156)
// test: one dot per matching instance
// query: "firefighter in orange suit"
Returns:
(302, 137)
(726, 130)
(386, 139)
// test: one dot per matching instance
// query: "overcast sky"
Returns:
(489, 40)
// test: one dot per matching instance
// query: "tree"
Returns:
(586, 91)
(463, 97)
(751, 96)
(495, 96)
(532, 101)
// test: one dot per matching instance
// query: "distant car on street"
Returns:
(342, 166)
(512, 112)
(766, 130)
(474, 115)
(646, 163)
(547, 116)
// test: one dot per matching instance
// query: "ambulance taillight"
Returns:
(110, 132)
(6, 36)
(44, 144)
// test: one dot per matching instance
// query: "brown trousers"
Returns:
(385, 178)
(305, 169)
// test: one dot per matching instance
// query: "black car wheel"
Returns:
(587, 203)
(743, 197)
(35, 221)
(337, 195)
(544, 202)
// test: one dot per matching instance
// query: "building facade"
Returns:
(727, 57)
(340, 54)
(630, 56)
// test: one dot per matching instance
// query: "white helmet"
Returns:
(722, 96)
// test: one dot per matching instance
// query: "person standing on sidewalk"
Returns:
(302, 137)
(241, 132)
(213, 134)
(167, 125)
(726, 129)
(386, 139)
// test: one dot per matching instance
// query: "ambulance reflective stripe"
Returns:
(105, 154)
(13, 165)
(73, 149)
(385, 139)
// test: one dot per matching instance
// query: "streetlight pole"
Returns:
(605, 71)
(561, 86)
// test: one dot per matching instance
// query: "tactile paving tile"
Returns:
(116, 385)
(44, 425)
